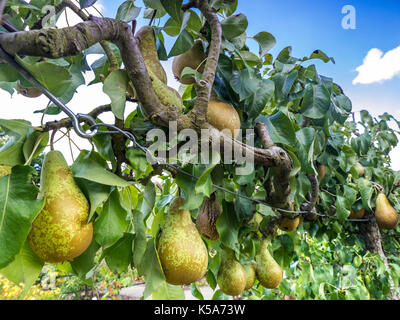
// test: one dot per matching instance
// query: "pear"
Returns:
(250, 270)
(288, 223)
(222, 116)
(194, 58)
(268, 271)
(231, 276)
(147, 46)
(385, 215)
(60, 231)
(321, 171)
(182, 252)
(28, 92)
(5, 170)
(360, 169)
(168, 96)
(357, 214)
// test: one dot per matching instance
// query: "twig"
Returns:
(153, 16)
(67, 122)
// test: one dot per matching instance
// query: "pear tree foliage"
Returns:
(326, 255)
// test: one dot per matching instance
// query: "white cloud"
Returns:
(378, 67)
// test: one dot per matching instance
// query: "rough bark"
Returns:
(369, 232)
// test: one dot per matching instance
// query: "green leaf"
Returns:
(172, 27)
(366, 191)
(168, 291)
(150, 267)
(118, 256)
(204, 183)
(57, 79)
(173, 8)
(234, 26)
(19, 206)
(266, 41)
(86, 3)
(316, 101)
(90, 166)
(261, 97)
(228, 226)
(111, 224)
(284, 83)
(280, 128)
(194, 289)
(182, 44)
(342, 208)
(35, 144)
(139, 245)
(127, 11)
(24, 269)
(115, 86)
(244, 83)
(95, 192)
(318, 54)
(146, 203)
(187, 184)
(138, 161)
(11, 153)
(85, 262)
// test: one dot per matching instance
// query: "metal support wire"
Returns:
(77, 118)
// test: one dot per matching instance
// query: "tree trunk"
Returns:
(369, 232)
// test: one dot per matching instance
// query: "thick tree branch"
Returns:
(204, 86)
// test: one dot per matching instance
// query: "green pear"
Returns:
(147, 46)
(182, 252)
(231, 276)
(385, 215)
(5, 170)
(60, 231)
(250, 270)
(268, 271)
(360, 169)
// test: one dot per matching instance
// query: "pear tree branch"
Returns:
(204, 86)
(70, 41)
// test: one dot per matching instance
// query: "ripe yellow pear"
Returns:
(231, 277)
(182, 252)
(222, 116)
(60, 231)
(194, 58)
(385, 215)
(268, 271)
